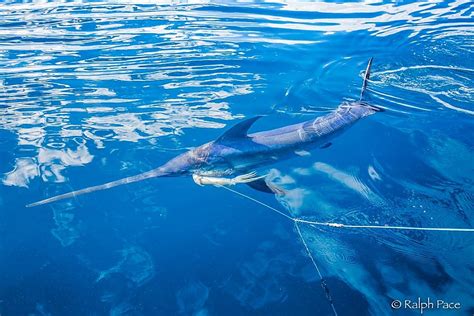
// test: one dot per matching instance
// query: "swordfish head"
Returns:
(231, 152)
(188, 162)
(213, 159)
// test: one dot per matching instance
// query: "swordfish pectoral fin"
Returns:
(146, 175)
(262, 186)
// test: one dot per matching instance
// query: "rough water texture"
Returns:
(93, 92)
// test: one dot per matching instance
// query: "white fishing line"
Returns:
(323, 281)
(337, 225)
(256, 201)
(340, 225)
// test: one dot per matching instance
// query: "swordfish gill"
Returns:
(233, 157)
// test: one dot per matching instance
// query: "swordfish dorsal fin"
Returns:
(239, 130)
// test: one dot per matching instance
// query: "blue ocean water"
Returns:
(94, 92)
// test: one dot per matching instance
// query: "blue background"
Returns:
(91, 93)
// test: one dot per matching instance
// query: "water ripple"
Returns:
(91, 87)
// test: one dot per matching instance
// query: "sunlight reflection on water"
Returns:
(95, 91)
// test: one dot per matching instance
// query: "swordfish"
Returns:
(233, 157)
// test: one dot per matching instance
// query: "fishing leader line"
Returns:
(340, 225)
(296, 221)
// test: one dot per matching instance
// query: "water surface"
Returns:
(93, 92)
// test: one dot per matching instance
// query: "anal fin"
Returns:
(327, 145)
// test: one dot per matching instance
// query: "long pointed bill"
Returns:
(143, 176)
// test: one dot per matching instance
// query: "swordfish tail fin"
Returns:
(146, 175)
(366, 78)
(364, 87)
